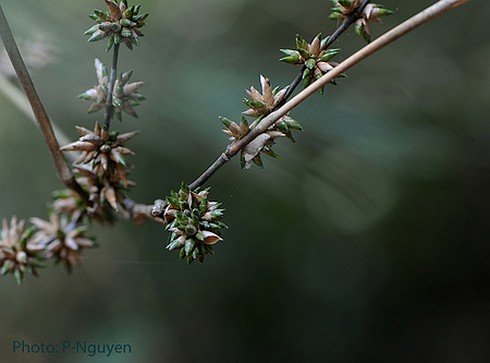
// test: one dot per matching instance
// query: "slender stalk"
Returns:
(138, 212)
(62, 169)
(412, 23)
(109, 110)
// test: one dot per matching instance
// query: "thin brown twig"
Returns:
(415, 21)
(42, 118)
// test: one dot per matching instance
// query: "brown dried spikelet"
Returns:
(62, 238)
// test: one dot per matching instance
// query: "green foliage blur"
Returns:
(369, 241)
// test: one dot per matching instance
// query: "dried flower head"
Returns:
(105, 150)
(16, 256)
(194, 223)
(105, 193)
(124, 98)
(62, 238)
(120, 23)
(263, 103)
(371, 13)
(314, 57)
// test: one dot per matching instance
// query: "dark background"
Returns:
(367, 242)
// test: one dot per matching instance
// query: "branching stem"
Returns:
(417, 20)
(109, 111)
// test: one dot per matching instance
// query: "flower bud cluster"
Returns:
(260, 104)
(101, 168)
(61, 239)
(24, 250)
(313, 56)
(124, 98)
(194, 223)
(121, 23)
(16, 257)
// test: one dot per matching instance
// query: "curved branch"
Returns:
(412, 23)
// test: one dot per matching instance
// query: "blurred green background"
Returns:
(367, 242)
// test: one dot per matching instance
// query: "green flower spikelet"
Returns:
(194, 223)
(121, 23)
(313, 56)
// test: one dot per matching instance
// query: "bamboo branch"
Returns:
(63, 171)
(412, 23)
